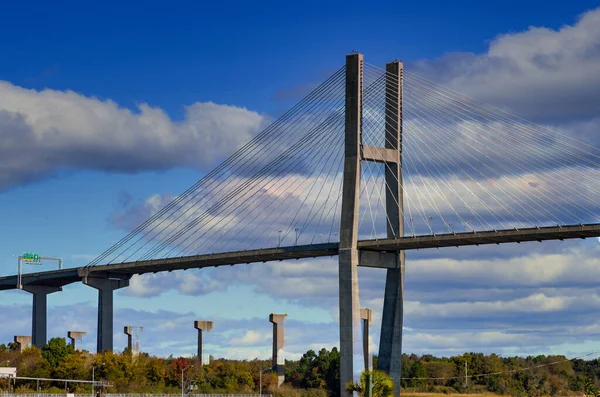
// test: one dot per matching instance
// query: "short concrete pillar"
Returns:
(366, 315)
(76, 339)
(22, 342)
(202, 326)
(133, 339)
(105, 287)
(39, 315)
(278, 344)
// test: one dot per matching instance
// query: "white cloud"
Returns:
(251, 338)
(185, 282)
(538, 73)
(44, 131)
(575, 267)
(538, 303)
(143, 286)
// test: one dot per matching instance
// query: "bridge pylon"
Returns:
(351, 344)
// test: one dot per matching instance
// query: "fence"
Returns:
(130, 395)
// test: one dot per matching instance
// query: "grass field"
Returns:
(412, 394)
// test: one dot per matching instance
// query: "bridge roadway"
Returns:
(374, 253)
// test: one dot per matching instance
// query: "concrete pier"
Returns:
(105, 287)
(278, 360)
(133, 339)
(39, 316)
(366, 315)
(22, 342)
(202, 326)
(76, 339)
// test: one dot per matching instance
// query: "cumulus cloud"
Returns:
(251, 338)
(49, 130)
(186, 283)
(540, 73)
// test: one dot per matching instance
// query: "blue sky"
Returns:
(90, 76)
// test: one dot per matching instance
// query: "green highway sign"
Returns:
(31, 258)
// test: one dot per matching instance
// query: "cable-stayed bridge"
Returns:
(371, 164)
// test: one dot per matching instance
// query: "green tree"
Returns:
(439, 369)
(418, 372)
(31, 364)
(72, 367)
(320, 371)
(55, 351)
(332, 375)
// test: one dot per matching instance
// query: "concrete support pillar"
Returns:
(278, 359)
(390, 343)
(105, 287)
(76, 339)
(39, 317)
(202, 326)
(133, 339)
(366, 315)
(351, 357)
(22, 342)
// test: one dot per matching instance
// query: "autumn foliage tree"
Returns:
(314, 374)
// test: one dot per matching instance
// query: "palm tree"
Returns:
(382, 385)
(590, 388)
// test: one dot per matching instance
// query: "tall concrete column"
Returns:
(76, 339)
(351, 360)
(105, 287)
(366, 315)
(202, 326)
(39, 317)
(390, 343)
(133, 339)
(278, 359)
(22, 342)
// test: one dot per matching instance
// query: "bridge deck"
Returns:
(127, 269)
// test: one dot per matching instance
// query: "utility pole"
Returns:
(94, 377)
(182, 371)
(466, 375)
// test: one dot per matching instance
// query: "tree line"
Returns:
(314, 374)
